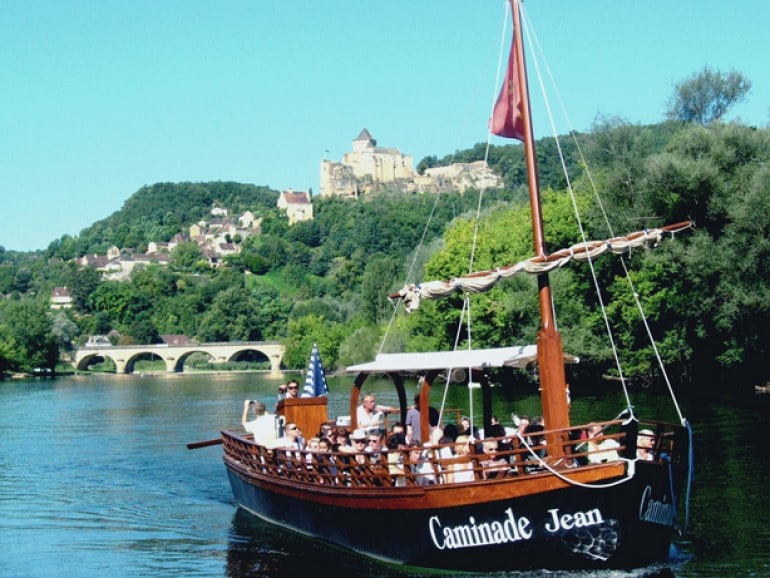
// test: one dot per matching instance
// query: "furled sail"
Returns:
(482, 281)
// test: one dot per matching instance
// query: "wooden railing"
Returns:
(437, 463)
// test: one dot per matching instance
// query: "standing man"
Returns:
(263, 424)
(412, 421)
(288, 391)
(292, 389)
(370, 416)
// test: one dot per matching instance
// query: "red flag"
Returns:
(508, 115)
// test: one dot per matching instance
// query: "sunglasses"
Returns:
(293, 387)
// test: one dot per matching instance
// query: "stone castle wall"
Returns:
(370, 168)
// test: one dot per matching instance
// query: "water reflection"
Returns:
(257, 548)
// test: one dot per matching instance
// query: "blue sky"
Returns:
(102, 97)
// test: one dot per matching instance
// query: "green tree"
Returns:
(232, 317)
(185, 256)
(64, 331)
(359, 346)
(82, 283)
(8, 355)
(707, 96)
(303, 332)
(143, 330)
(28, 324)
(379, 276)
(116, 300)
(7, 275)
(22, 280)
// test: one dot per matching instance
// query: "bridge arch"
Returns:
(83, 362)
(174, 356)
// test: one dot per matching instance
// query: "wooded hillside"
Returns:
(706, 292)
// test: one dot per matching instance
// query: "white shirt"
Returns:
(369, 420)
(263, 428)
(608, 452)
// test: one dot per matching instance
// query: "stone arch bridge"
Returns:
(124, 356)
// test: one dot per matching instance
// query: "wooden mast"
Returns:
(550, 355)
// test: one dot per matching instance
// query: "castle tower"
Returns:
(364, 141)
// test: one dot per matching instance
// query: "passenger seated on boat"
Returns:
(263, 424)
(465, 428)
(370, 416)
(420, 468)
(451, 432)
(397, 428)
(439, 438)
(358, 447)
(520, 422)
(374, 446)
(324, 431)
(440, 447)
(497, 430)
(645, 442)
(340, 438)
(292, 438)
(354, 459)
(533, 436)
(312, 445)
(396, 444)
(601, 450)
(578, 437)
(325, 464)
(493, 464)
(461, 469)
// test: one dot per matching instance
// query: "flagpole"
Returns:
(550, 355)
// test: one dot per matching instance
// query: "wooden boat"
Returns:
(550, 505)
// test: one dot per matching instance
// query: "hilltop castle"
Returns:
(369, 168)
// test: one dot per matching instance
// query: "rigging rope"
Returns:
(594, 189)
(630, 469)
(573, 200)
(411, 270)
(466, 304)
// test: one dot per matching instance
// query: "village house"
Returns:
(217, 238)
(298, 206)
(157, 247)
(249, 220)
(218, 211)
(61, 298)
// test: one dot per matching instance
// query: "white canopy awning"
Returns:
(518, 356)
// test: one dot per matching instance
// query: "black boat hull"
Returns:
(625, 524)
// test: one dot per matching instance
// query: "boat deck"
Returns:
(438, 464)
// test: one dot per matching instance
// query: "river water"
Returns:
(95, 480)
